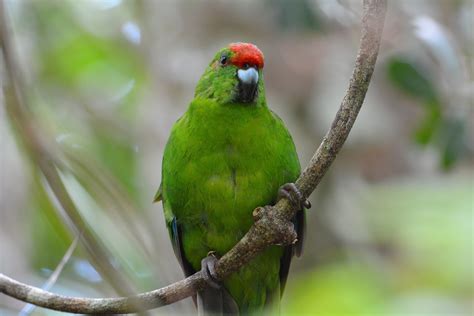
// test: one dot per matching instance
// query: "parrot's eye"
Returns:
(224, 59)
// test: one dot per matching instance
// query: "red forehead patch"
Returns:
(246, 53)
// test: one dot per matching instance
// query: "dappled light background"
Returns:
(390, 231)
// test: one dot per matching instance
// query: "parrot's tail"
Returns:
(213, 302)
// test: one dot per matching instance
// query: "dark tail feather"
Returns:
(212, 302)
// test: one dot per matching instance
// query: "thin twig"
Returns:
(28, 309)
(272, 224)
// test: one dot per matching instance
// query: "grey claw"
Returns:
(208, 269)
(293, 194)
(307, 204)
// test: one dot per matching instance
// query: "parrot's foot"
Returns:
(293, 194)
(208, 270)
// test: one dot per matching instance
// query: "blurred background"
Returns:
(103, 81)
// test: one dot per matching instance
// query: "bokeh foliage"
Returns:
(104, 77)
(445, 132)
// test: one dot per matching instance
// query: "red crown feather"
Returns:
(246, 53)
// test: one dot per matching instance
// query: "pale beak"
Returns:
(248, 76)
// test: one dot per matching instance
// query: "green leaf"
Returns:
(452, 142)
(411, 79)
(430, 124)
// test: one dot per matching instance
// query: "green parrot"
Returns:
(228, 154)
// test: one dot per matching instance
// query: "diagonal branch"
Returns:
(45, 158)
(272, 224)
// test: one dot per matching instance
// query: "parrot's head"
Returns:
(234, 76)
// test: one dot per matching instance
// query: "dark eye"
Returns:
(224, 59)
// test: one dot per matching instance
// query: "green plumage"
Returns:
(221, 161)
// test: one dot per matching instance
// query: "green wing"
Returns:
(172, 223)
(300, 226)
(159, 195)
(175, 233)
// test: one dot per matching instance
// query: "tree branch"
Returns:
(273, 223)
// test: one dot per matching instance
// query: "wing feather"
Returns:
(297, 249)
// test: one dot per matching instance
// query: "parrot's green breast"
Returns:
(221, 162)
